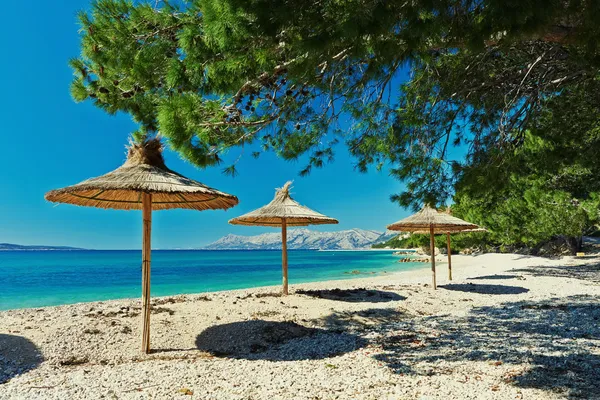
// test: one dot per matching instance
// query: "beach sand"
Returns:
(507, 327)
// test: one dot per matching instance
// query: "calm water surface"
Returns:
(45, 278)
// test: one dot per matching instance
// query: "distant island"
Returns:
(20, 247)
(304, 239)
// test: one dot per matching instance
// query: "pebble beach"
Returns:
(507, 327)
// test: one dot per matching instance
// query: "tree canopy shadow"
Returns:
(484, 288)
(17, 356)
(588, 271)
(275, 341)
(555, 343)
(353, 295)
(496, 276)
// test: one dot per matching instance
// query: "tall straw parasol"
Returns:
(429, 219)
(283, 211)
(144, 183)
(437, 232)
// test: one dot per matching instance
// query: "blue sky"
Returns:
(49, 141)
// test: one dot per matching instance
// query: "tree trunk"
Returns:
(574, 243)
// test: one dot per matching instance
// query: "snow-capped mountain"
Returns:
(303, 238)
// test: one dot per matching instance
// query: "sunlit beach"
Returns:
(308, 200)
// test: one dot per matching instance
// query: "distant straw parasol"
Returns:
(144, 183)
(438, 232)
(283, 211)
(476, 230)
(431, 221)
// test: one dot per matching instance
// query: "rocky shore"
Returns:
(508, 327)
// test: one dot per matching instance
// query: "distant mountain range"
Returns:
(298, 239)
(304, 239)
(9, 246)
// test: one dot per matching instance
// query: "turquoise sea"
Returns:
(46, 278)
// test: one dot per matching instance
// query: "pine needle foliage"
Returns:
(214, 75)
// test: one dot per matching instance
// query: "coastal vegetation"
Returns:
(460, 242)
(544, 198)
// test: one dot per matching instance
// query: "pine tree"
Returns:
(213, 75)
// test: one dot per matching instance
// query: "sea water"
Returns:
(46, 278)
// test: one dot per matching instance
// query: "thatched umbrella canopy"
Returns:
(431, 221)
(144, 183)
(283, 211)
(442, 231)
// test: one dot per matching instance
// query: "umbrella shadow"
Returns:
(353, 295)
(171, 350)
(496, 276)
(17, 356)
(359, 322)
(551, 344)
(484, 288)
(526, 257)
(275, 341)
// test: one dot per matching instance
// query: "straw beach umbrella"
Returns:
(432, 221)
(283, 211)
(144, 183)
(437, 232)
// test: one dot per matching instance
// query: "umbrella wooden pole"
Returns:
(432, 251)
(147, 216)
(449, 257)
(284, 256)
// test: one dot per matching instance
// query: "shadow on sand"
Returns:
(553, 344)
(588, 271)
(17, 356)
(364, 321)
(550, 345)
(492, 277)
(275, 341)
(353, 295)
(484, 288)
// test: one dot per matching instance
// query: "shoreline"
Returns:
(418, 273)
(348, 276)
(352, 272)
(505, 327)
(351, 250)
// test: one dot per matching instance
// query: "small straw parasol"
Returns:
(144, 183)
(474, 230)
(437, 232)
(429, 220)
(283, 211)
